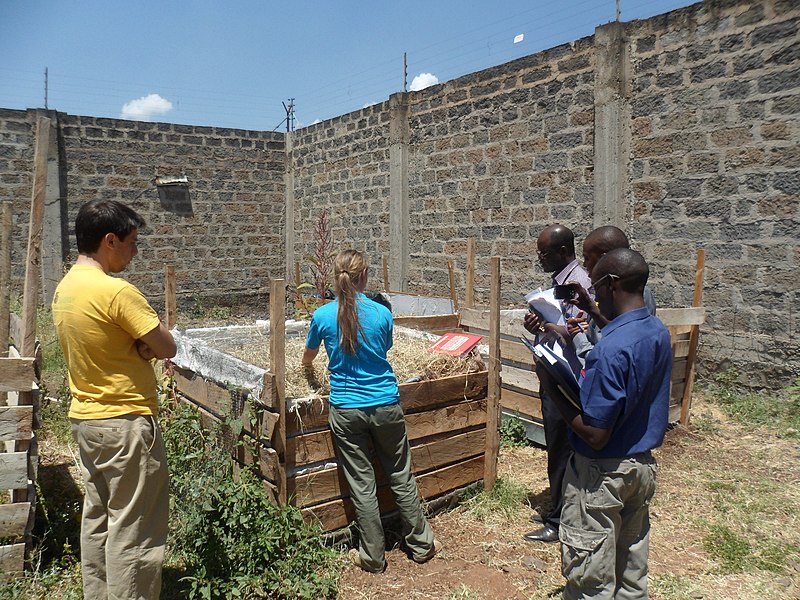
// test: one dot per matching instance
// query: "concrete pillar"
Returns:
(398, 192)
(55, 227)
(288, 183)
(612, 132)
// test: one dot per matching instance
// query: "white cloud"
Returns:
(423, 80)
(368, 104)
(145, 108)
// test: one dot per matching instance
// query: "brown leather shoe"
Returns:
(546, 534)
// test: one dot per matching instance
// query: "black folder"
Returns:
(558, 368)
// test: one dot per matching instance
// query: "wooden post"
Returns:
(453, 294)
(385, 274)
(170, 297)
(33, 267)
(694, 337)
(5, 283)
(493, 393)
(30, 300)
(277, 365)
(469, 285)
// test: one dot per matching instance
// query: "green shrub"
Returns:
(513, 434)
(233, 542)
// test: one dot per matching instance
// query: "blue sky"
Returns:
(232, 63)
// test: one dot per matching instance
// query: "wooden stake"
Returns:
(30, 295)
(5, 276)
(493, 396)
(469, 286)
(385, 274)
(5, 284)
(694, 338)
(33, 267)
(277, 365)
(170, 297)
(453, 294)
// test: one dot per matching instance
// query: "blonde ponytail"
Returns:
(349, 270)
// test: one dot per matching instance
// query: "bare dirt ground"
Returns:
(714, 474)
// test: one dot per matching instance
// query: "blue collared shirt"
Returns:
(626, 386)
(365, 379)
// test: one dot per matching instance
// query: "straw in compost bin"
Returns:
(408, 356)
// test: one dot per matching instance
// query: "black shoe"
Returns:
(548, 533)
(537, 518)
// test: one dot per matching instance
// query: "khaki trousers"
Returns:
(605, 527)
(125, 508)
(385, 427)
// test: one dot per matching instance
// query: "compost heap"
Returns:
(409, 358)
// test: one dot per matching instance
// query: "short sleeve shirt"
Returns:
(626, 386)
(574, 271)
(365, 379)
(98, 319)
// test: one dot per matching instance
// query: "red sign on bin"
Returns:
(455, 344)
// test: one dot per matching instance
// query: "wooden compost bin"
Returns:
(519, 385)
(18, 458)
(288, 443)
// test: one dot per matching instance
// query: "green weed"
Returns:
(230, 538)
(513, 434)
(221, 313)
(62, 581)
(463, 592)
(197, 310)
(777, 410)
(503, 501)
(732, 551)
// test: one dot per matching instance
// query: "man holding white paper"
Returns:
(556, 253)
(622, 415)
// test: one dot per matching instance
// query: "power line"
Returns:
(449, 57)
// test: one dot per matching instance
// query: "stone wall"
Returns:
(225, 250)
(341, 166)
(497, 156)
(715, 163)
(682, 129)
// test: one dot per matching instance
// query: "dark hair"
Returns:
(607, 238)
(349, 269)
(99, 217)
(628, 266)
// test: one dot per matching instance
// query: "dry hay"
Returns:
(408, 356)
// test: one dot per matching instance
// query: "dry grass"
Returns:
(716, 475)
(408, 356)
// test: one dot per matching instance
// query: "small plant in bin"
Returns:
(321, 267)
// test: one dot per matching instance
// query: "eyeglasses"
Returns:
(596, 284)
(545, 253)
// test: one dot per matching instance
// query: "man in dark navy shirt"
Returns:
(624, 412)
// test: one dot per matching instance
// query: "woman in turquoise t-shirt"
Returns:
(363, 403)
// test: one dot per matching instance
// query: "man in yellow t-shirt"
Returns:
(109, 334)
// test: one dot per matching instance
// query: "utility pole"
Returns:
(405, 72)
(45, 88)
(289, 115)
(618, 11)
